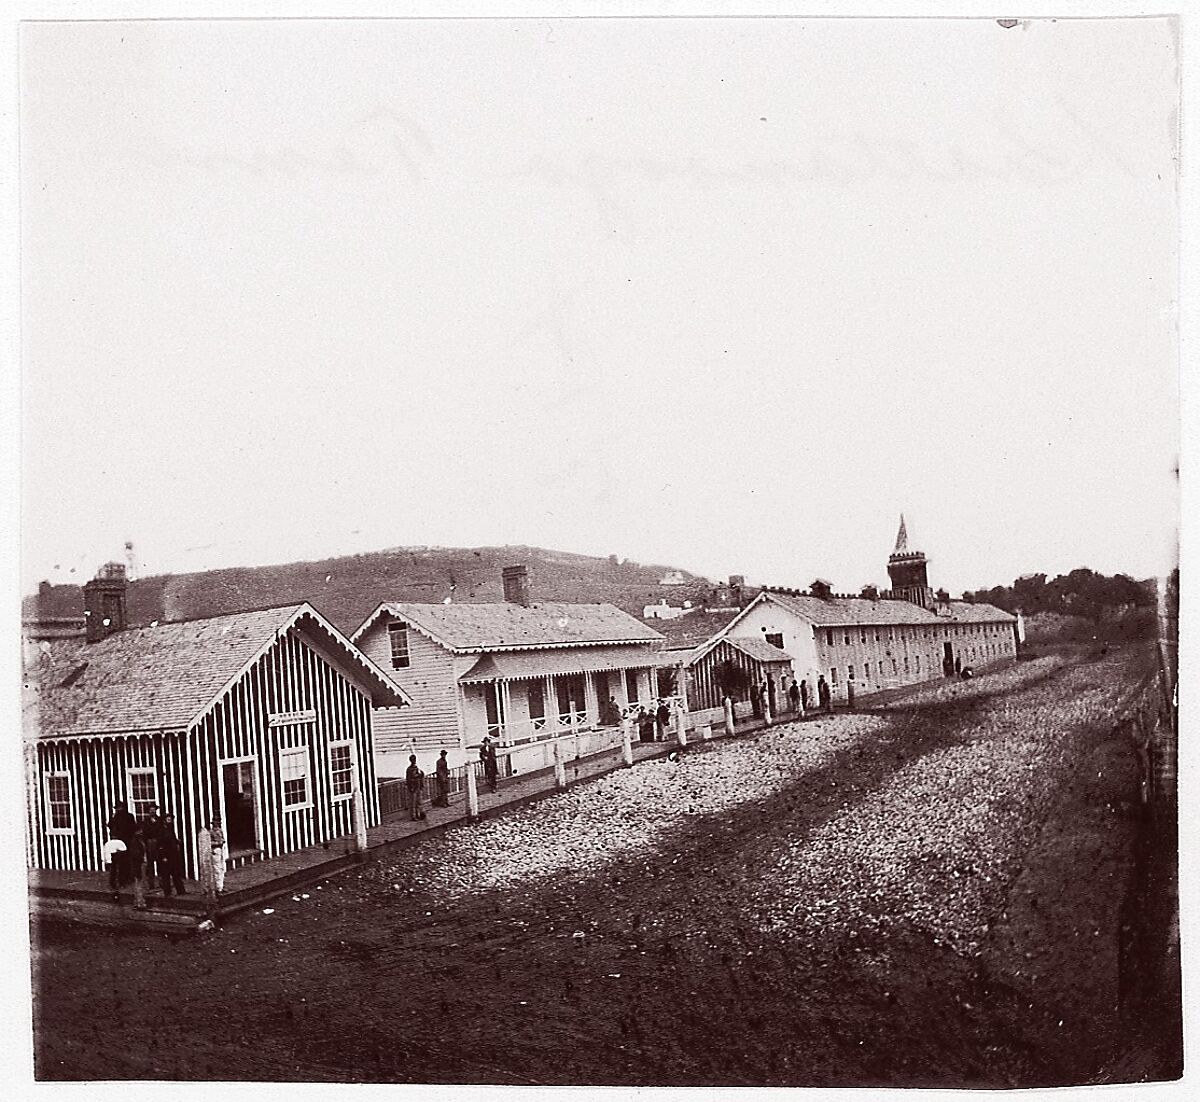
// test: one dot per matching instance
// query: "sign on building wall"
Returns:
(283, 719)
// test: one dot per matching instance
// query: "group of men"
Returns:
(139, 851)
(414, 778)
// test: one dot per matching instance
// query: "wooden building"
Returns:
(262, 718)
(519, 671)
(755, 660)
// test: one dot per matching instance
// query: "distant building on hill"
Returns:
(674, 577)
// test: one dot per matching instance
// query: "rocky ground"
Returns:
(938, 893)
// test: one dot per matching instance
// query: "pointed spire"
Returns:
(901, 538)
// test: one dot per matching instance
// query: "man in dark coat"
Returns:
(412, 781)
(443, 782)
(794, 696)
(664, 719)
(149, 827)
(170, 858)
(824, 696)
(487, 755)
(803, 696)
(122, 825)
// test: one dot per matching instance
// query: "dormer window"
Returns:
(398, 640)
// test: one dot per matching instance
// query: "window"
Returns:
(631, 686)
(847, 638)
(895, 668)
(398, 638)
(833, 674)
(918, 663)
(864, 637)
(341, 769)
(293, 773)
(906, 664)
(851, 673)
(59, 819)
(829, 636)
(775, 638)
(877, 636)
(143, 791)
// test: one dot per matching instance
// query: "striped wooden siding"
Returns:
(291, 676)
(703, 691)
(98, 780)
(432, 720)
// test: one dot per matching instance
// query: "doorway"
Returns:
(948, 659)
(239, 805)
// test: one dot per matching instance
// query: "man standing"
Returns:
(443, 782)
(412, 781)
(170, 858)
(487, 755)
(122, 825)
(804, 696)
(664, 718)
(794, 697)
(150, 827)
(824, 696)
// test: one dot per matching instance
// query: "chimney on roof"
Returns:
(104, 602)
(516, 585)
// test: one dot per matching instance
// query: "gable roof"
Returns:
(855, 611)
(758, 649)
(167, 676)
(467, 628)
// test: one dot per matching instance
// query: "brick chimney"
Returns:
(516, 585)
(104, 602)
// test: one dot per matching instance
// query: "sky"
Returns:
(727, 295)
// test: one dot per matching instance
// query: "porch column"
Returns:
(506, 716)
(591, 704)
(550, 692)
(622, 688)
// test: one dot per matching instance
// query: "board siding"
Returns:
(432, 720)
(290, 676)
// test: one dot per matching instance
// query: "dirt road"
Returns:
(793, 908)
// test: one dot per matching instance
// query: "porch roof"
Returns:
(526, 665)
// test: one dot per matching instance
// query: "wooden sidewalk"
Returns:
(85, 896)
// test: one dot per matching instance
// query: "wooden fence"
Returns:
(393, 793)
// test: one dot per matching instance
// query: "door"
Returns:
(240, 805)
(948, 659)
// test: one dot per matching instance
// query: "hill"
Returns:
(347, 588)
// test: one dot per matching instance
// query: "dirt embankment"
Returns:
(661, 962)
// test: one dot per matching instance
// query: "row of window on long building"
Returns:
(990, 650)
(929, 633)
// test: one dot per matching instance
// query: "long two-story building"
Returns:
(877, 640)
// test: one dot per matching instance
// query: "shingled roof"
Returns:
(162, 678)
(840, 611)
(468, 628)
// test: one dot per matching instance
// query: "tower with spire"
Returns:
(907, 569)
